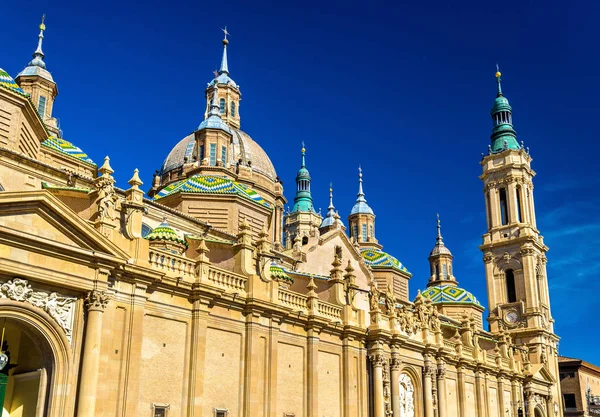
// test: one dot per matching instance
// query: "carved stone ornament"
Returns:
(395, 364)
(407, 396)
(376, 359)
(60, 308)
(96, 300)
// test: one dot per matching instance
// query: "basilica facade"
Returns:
(204, 296)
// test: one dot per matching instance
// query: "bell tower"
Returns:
(37, 81)
(514, 252)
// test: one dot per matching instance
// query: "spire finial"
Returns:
(498, 80)
(303, 154)
(224, 68)
(361, 194)
(38, 55)
(439, 229)
(331, 207)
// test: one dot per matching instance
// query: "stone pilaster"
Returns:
(395, 365)
(377, 360)
(462, 398)
(428, 374)
(197, 357)
(313, 377)
(441, 383)
(96, 302)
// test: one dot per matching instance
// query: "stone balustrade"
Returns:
(329, 310)
(227, 280)
(173, 265)
(293, 300)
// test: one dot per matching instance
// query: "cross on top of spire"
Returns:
(225, 32)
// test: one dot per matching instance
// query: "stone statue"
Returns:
(390, 303)
(374, 297)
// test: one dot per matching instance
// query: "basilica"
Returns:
(201, 295)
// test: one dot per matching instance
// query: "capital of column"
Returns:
(376, 359)
(441, 370)
(395, 363)
(96, 300)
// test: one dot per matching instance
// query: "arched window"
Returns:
(232, 109)
(364, 232)
(445, 271)
(355, 231)
(503, 206)
(222, 106)
(437, 272)
(511, 291)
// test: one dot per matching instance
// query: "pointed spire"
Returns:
(303, 156)
(332, 216)
(499, 80)
(330, 208)
(38, 55)
(224, 68)
(361, 205)
(439, 230)
(439, 248)
(303, 199)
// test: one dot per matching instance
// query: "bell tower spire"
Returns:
(39, 84)
(514, 252)
(303, 220)
(229, 95)
(362, 219)
(440, 261)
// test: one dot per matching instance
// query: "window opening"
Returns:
(511, 291)
(42, 106)
(355, 231)
(201, 153)
(222, 106)
(213, 154)
(519, 210)
(364, 232)
(570, 401)
(445, 271)
(503, 206)
(233, 109)
(223, 155)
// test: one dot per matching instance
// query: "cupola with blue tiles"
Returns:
(362, 218)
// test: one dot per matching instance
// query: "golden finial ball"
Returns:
(42, 27)
(498, 74)
(303, 150)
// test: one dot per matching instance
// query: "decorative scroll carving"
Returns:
(395, 364)
(376, 359)
(96, 300)
(60, 308)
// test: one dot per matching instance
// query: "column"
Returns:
(441, 383)
(133, 351)
(503, 408)
(511, 200)
(532, 207)
(312, 377)
(96, 302)
(428, 373)
(549, 406)
(461, 391)
(377, 362)
(529, 277)
(272, 368)
(395, 366)
(350, 384)
(530, 404)
(525, 203)
(515, 397)
(197, 356)
(494, 206)
(479, 390)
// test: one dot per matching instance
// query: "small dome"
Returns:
(501, 104)
(165, 232)
(224, 78)
(376, 258)
(449, 294)
(440, 250)
(244, 148)
(35, 69)
(214, 122)
(361, 207)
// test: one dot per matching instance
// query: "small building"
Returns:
(580, 387)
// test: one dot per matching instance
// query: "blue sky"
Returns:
(402, 88)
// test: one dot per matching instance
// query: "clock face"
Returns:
(511, 316)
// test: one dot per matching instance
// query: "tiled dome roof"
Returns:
(449, 294)
(165, 232)
(6, 81)
(212, 184)
(376, 258)
(68, 148)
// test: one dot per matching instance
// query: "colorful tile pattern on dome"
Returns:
(376, 258)
(68, 148)
(212, 184)
(279, 274)
(6, 81)
(450, 294)
(165, 232)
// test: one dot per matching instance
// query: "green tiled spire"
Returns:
(503, 135)
(303, 199)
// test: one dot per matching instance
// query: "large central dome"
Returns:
(244, 149)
